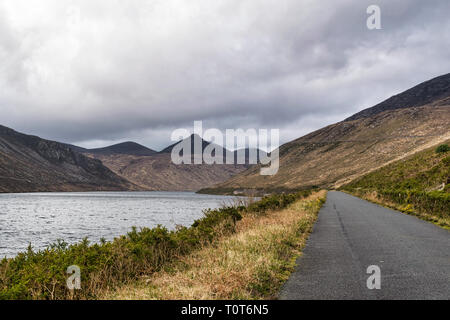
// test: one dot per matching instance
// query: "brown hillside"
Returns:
(157, 172)
(343, 151)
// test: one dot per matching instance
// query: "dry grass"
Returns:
(253, 263)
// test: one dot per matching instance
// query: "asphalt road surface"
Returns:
(350, 235)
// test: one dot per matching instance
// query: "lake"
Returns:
(42, 218)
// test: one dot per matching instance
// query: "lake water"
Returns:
(42, 218)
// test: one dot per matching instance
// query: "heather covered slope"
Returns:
(427, 170)
(418, 184)
(341, 152)
(30, 164)
(157, 172)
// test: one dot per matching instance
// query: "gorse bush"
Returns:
(443, 148)
(274, 202)
(104, 265)
(437, 202)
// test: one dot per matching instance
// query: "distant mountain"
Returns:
(158, 172)
(29, 163)
(204, 143)
(432, 91)
(131, 148)
(75, 148)
(191, 138)
(372, 138)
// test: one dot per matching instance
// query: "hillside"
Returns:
(434, 91)
(418, 184)
(157, 172)
(29, 164)
(426, 170)
(341, 152)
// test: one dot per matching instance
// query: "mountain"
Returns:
(157, 171)
(226, 152)
(29, 163)
(400, 126)
(432, 91)
(131, 148)
(191, 138)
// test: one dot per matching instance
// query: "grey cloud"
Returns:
(98, 73)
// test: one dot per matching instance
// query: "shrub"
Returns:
(276, 201)
(436, 202)
(443, 148)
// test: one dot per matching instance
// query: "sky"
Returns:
(98, 72)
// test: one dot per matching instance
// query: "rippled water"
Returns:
(42, 218)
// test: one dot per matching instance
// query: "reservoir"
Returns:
(43, 218)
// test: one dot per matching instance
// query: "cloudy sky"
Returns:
(94, 72)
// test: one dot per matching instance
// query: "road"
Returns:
(350, 235)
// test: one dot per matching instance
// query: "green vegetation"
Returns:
(42, 274)
(443, 148)
(275, 202)
(417, 185)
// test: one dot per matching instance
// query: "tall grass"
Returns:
(105, 265)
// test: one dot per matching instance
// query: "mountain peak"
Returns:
(427, 92)
(191, 138)
(128, 147)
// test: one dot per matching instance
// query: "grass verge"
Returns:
(107, 265)
(419, 205)
(252, 263)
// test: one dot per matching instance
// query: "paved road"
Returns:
(352, 234)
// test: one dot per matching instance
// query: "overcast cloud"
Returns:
(97, 72)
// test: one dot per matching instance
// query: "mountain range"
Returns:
(329, 157)
(157, 171)
(31, 164)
